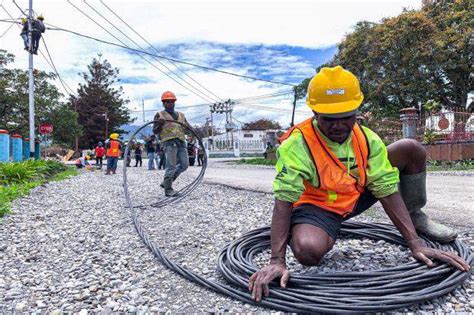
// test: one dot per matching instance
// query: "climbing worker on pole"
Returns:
(38, 29)
(173, 138)
(24, 32)
(112, 146)
(331, 169)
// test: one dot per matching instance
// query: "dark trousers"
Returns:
(99, 161)
(138, 159)
(200, 159)
(36, 38)
(112, 163)
(162, 160)
(191, 160)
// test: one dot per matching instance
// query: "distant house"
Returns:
(247, 140)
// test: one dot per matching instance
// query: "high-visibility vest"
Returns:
(338, 190)
(114, 148)
(172, 130)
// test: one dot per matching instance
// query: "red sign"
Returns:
(46, 129)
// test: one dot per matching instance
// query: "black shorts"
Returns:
(326, 220)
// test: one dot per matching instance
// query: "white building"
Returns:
(241, 142)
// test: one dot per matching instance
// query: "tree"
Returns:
(410, 59)
(261, 124)
(14, 105)
(97, 100)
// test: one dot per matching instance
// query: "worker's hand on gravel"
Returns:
(426, 254)
(258, 282)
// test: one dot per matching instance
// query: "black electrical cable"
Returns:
(338, 292)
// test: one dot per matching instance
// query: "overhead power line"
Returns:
(193, 88)
(153, 47)
(63, 83)
(56, 28)
(205, 98)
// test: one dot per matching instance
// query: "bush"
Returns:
(16, 179)
(30, 170)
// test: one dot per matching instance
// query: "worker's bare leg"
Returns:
(409, 157)
(309, 243)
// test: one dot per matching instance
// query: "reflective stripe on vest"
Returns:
(338, 190)
(171, 130)
(114, 150)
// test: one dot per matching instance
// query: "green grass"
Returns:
(257, 161)
(16, 179)
(436, 166)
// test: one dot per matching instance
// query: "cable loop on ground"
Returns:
(338, 292)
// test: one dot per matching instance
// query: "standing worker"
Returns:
(138, 155)
(113, 147)
(161, 153)
(331, 169)
(150, 152)
(99, 155)
(173, 138)
(24, 32)
(38, 29)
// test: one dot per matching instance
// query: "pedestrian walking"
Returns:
(113, 147)
(173, 138)
(99, 155)
(138, 155)
(150, 152)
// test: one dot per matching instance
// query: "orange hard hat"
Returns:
(168, 96)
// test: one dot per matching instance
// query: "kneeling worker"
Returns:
(173, 138)
(331, 169)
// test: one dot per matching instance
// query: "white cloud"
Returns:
(205, 27)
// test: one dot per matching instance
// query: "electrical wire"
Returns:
(156, 50)
(204, 97)
(60, 29)
(337, 292)
(139, 46)
(66, 87)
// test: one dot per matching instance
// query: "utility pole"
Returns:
(31, 82)
(294, 109)
(106, 124)
(143, 109)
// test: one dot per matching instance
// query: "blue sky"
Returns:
(278, 40)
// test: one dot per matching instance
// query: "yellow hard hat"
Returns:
(24, 20)
(114, 136)
(334, 91)
(88, 157)
(40, 17)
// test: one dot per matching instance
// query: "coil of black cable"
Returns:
(341, 292)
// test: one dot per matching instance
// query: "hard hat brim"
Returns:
(336, 108)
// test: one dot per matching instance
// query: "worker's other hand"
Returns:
(258, 282)
(425, 254)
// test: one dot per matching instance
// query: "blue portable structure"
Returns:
(4, 146)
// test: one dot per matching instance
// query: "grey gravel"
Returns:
(71, 247)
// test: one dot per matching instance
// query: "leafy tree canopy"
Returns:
(97, 100)
(14, 103)
(413, 58)
(261, 124)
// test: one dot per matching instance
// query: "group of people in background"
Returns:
(194, 152)
(170, 147)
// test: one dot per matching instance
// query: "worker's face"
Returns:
(336, 129)
(169, 104)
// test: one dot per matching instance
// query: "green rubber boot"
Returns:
(169, 191)
(413, 191)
